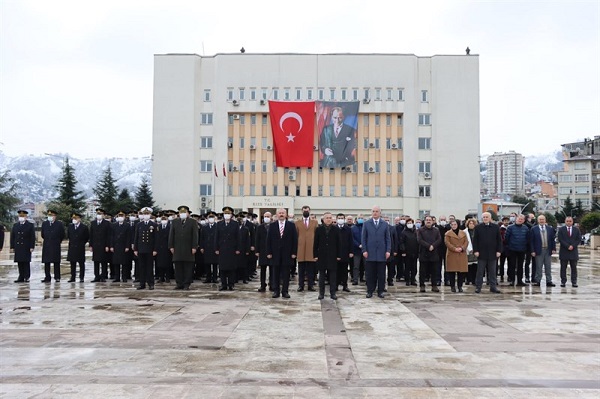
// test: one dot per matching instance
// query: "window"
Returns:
(423, 213)
(286, 94)
(343, 191)
(424, 191)
(582, 190)
(425, 167)
(388, 144)
(365, 143)
(264, 119)
(366, 93)
(320, 191)
(400, 94)
(263, 93)
(274, 167)
(343, 94)
(388, 167)
(275, 191)
(424, 97)
(297, 191)
(377, 118)
(424, 119)
(377, 166)
(206, 142)
(252, 167)
(579, 165)
(388, 191)
(582, 178)
(241, 190)
(332, 94)
(242, 94)
(253, 119)
(252, 189)
(242, 119)
(389, 95)
(253, 94)
(263, 166)
(366, 191)
(566, 190)
(388, 120)
(400, 191)
(354, 191)
(365, 166)
(399, 121)
(206, 189)
(309, 94)
(377, 94)
(263, 190)
(566, 178)
(377, 143)
(331, 191)
(355, 94)
(207, 95)
(206, 166)
(366, 120)
(275, 94)
(230, 166)
(298, 93)
(241, 168)
(399, 166)
(206, 119)
(309, 191)
(230, 94)
(377, 191)
(229, 190)
(321, 93)
(424, 143)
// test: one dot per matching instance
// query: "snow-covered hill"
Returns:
(537, 167)
(37, 175)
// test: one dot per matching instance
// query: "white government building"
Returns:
(418, 132)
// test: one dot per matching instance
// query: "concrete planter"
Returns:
(595, 242)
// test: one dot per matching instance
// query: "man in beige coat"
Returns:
(306, 237)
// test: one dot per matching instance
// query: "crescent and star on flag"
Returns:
(286, 116)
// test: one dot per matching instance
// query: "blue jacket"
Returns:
(376, 240)
(517, 237)
(535, 239)
(357, 238)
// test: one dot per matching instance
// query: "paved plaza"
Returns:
(108, 340)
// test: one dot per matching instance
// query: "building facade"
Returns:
(505, 173)
(418, 132)
(580, 177)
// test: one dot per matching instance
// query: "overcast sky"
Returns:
(76, 76)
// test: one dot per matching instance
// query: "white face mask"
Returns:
(75, 221)
(99, 217)
(145, 217)
(291, 219)
(267, 220)
(22, 219)
(120, 219)
(340, 222)
(409, 225)
(442, 222)
(402, 221)
(227, 216)
(211, 220)
(512, 219)
(132, 218)
(202, 222)
(244, 220)
(51, 219)
(183, 216)
(171, 217)
(164, 223)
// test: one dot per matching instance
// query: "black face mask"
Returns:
(306, 214)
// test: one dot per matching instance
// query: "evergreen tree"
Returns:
(124, 201)
(8, 199)
(520, 199)
(67, 193)
(106, 191)
(143, 195)
(578, 211)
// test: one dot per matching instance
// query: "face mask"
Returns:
(306, 214)
(291, 219)
(202, 222)
(340, 222)
(402, 221)
(211, 220)
(99, 217)
(164, 223)
(227, 216)
(75, 221)
(267, 220)
(51, 219)
(183, 216)
(360, 221)
(120, 219)
(132, 218)
(409, 225)
(244, 220)
(171, 217)
(442, 223)
(146, 217)
(512, 219)
(418, 225)
(22, 219)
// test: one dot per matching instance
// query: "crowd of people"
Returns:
(337, 250)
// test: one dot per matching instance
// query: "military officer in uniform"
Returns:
(207, 247)
(183, 244)
(53, 232)
(261, 251)
(132, 221)
(227, 247)
(164, 257)
(100, 245)
(242, 263)
(22, 242)
(144, 247)
(78, 235)
(121, 239)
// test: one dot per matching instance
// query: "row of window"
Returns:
(321, 93)
(424, 143)
(577, 190)
(206, 190)
(424, 167)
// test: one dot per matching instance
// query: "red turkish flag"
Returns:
(293, 127)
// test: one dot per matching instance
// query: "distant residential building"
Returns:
(544, 195)
(500, 207)
(505, 173)
(580, 178)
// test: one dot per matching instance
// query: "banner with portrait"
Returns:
(337, 125)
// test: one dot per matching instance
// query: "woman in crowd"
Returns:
(456, 255)
(472, 259)
(409, 248)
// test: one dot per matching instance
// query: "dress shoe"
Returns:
(414, 283)
(574, 285)
(103, 280)
(521, 284)
(385, 290)
(71, 280)
(96, 280)
(117, 280)
(166, 280)
(151, 287)
(563, 285)
(285, 295)
(334, 297)
(380, 295)
(550, 284)
(527, 281)
(300, 289)
(26, 280)
(245, 282)
(81, 281)
(536, 284)
(187, 287)
(460, 289)
(19, 281)
(453, 289)
(391, 283)
(180, 288)
(477, 290)
(355, 283)
(435, 289)
(221, 288)
(346, 289)
(206, 281)
(321, 296)
(496, 291)
(275, 295)
(369, 294)
(422, 289)
(57, 280)
(311, 288)
(262, 289)
(141, 287)
(46, 280)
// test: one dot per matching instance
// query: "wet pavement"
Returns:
(108, 340)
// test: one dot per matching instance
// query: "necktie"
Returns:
(281, 226)
(306, 222)
(544, 237)
(376, 223)
(337, 131)
(76, 226)
(569, 232)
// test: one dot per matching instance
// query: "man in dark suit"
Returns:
(429, 239)
(346, 254)
(250, 259)
(144, 247)
(376, 246)
(100, 231)
(183, 243)
(245, 243)
(121, 239)
(164, 257)
(327, 254)
(53, 232)
(569, 238)
(207, 247)
(132, 261)
(227, 247)
(1, 236)
(282, 247)
(391, 261)
(22, 242)
(337, 142)
(543, 245)
(261, 251)
(487, 247)
(78, 235)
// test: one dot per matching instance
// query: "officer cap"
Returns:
(227, 209)
(146, 210)
(183, 208)
(100, 210)
(22, 212)
(51, 212)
